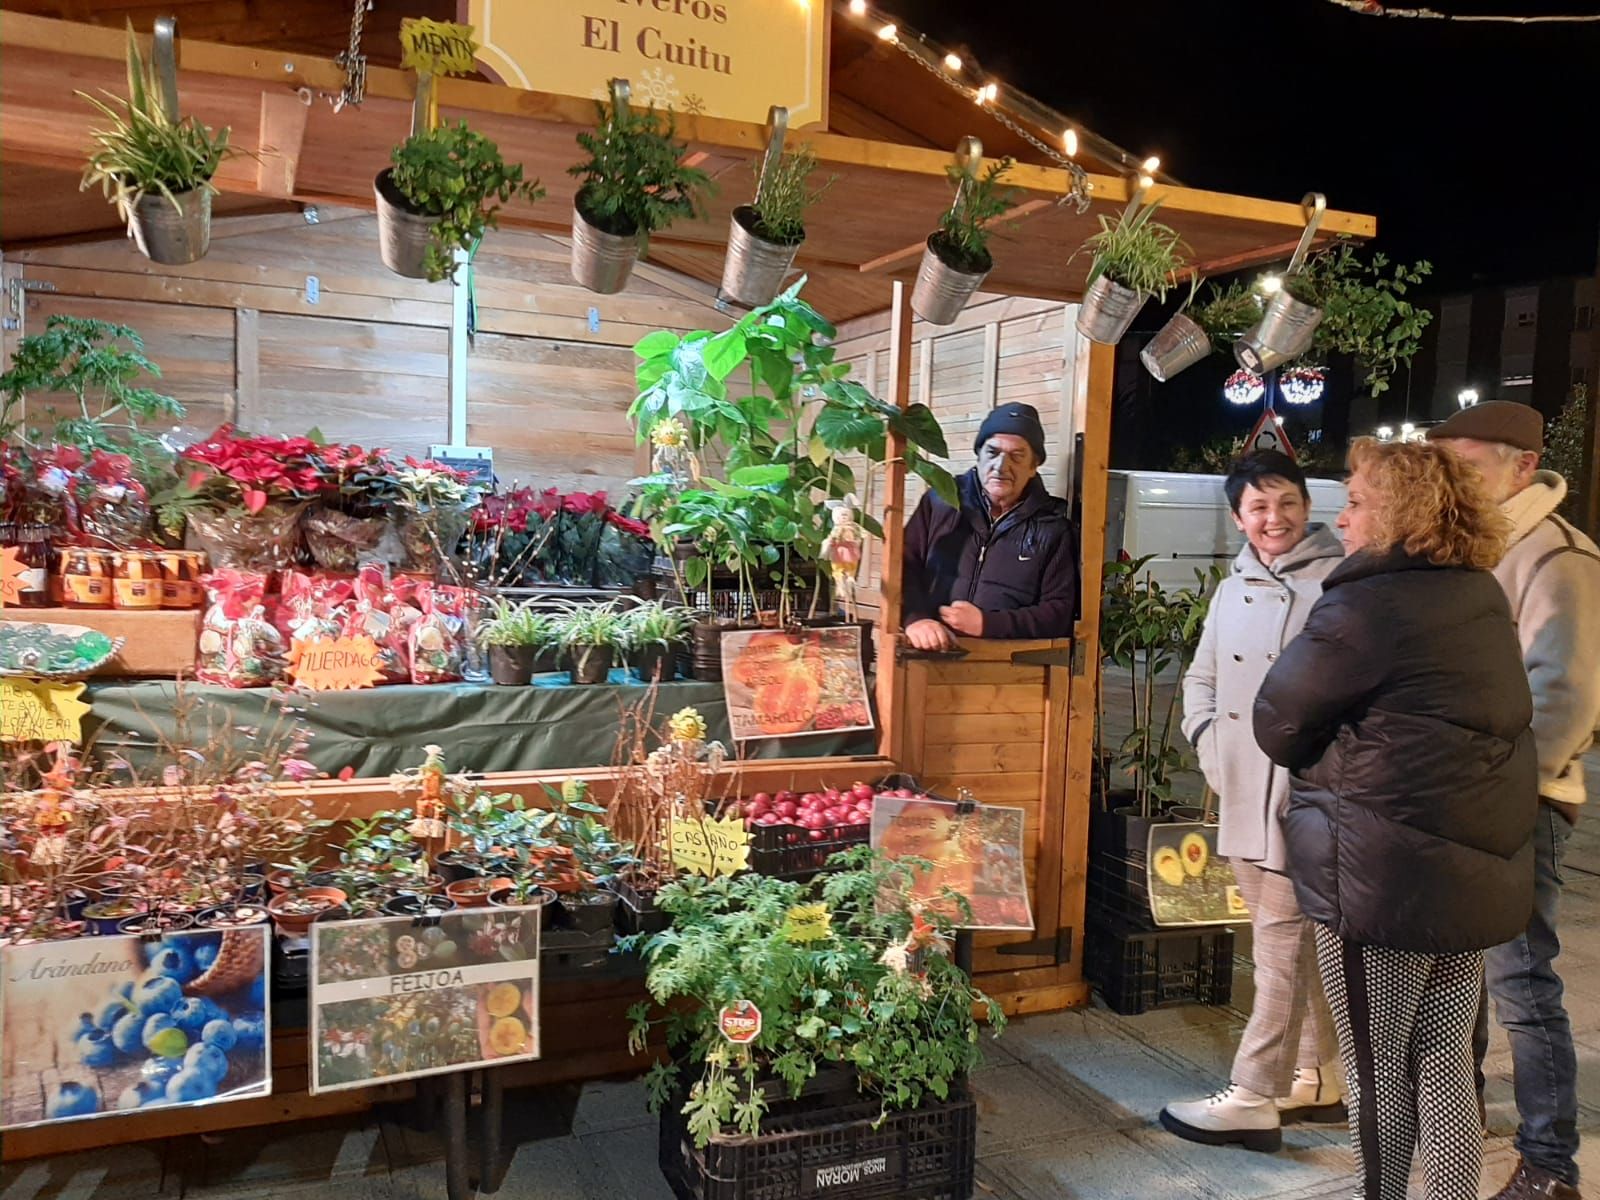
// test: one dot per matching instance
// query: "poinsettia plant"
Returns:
(582, 519)
(625, 551)
(230, 470)
(361, 482)
(513, 536)
(424, 485)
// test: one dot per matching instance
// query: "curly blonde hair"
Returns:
(1432, 503)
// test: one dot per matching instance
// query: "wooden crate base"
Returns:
(156, 641)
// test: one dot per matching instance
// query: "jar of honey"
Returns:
(180, 578)
(137, 579)
(86, 576)
(32, 544)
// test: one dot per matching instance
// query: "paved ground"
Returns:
(1068, 1105)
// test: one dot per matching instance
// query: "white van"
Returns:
(1183, 520)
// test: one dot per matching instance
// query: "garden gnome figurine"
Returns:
(841, 550)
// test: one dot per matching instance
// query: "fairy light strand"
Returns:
(1371, 8)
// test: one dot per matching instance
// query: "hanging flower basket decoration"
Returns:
(1243, 387)
(1303, 385)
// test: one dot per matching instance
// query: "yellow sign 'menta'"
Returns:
(720, 58)
(437, 47)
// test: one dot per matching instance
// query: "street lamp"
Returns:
(1467, 397)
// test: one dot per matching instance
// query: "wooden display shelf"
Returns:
(156, 641)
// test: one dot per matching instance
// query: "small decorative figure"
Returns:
(841, 550)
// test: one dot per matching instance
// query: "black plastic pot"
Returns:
(167, 922)
(512, 666)
(453, 867)
(591, 912)
(101, 922)
(591, 664)
(705, 651)
(231, 916)
(655, 664)
(407, 904)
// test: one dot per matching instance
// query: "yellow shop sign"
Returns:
(720, 58)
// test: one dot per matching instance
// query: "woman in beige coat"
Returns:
(1283, 1069)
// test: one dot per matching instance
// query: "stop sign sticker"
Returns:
(740, 1022)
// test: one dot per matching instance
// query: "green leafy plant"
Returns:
(1136, 251)
(592, 625)
(518, 625)
(1564, 442)
(457, 175)
(634, 180)
(1364, 309)
(575, 825)
(652, 623)
(782, 443)
(965, 229)
(147, 150)
(782, 196)
(1147, 631)
(840, 992)
(102, 367)
(1226, 313)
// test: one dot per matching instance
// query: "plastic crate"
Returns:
(828, 1151)
(1136, 970)
(1120, 888)
(789, 852)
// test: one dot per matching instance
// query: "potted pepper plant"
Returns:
(442, 194)
(634, 182)
(1135, 257)
(765, 235)
(956, 259)
(156, 166)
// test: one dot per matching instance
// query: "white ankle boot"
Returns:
(1235, 1116)
(1316, 1097)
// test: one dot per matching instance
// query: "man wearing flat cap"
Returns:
(1551, 574)
(1003, 564)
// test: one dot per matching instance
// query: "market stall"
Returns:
(292, 304)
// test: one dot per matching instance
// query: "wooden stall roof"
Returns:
(868, 230)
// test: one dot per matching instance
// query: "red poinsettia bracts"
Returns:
(253, 471)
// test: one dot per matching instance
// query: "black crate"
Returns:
(789, 852)
(1120, 888)
(828, 1151)
(1136, 970)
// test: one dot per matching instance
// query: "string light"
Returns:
(858, 8)
(1146, 183)
(1467, 397)
(952, 61)
(1069, 143)
(887, 33)
(1385, 433)
(1270, 285)
(1151, 165)
(988, 93)
(1371, 8)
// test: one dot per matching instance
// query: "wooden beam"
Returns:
(906, 253)
(246, 369)
(282, 134)
(891, 595)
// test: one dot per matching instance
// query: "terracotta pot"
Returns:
(474, 892)
(232, 916)
(293, 912)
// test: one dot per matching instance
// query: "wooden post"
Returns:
(1589, 496)
(890, 731)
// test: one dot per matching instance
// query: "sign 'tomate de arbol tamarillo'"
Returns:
(720, 58)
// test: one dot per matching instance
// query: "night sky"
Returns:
(1476, 146)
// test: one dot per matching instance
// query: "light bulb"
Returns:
(1271, 284)
(858, 8)
(1152, 163)
(1467, 397)
(1406, 430)
(1385, 432)
(952, 62)
(987, 93)
(887, 33)
(1146, 182)
(1069, 141)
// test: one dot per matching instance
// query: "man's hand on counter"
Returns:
(965, 619)
(930, 635)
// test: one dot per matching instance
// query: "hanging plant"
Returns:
(155, 166)
(764, 236)
(442, 194)
(1135, 257)
(956, 260)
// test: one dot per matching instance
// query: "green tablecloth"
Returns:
(549, 726)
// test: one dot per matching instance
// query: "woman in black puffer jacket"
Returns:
(1402, 711)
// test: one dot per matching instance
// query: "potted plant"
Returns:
(634, 182)
(515, 636)
(1135, 257)
(956, 259)
(1180, 343)
(442, 194)
(1337, 303)
(656, 633)
(860, 1004)
(294, 911)
(357, 492)
(765, 235)
(591, 636)
(594, 855)
(435, 501)
(155, 166)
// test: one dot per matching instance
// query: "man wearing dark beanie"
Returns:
(1001, 565)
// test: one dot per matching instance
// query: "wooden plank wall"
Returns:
(1000, 350)
(238, 338)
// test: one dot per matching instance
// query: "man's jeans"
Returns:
(1527, 994)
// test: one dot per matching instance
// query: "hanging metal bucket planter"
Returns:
(754, 271)
(1107, 311)
(601, 261)
(1180, 344)
(1283, 333)
(942, 291)
(173, 236)
(404, 234)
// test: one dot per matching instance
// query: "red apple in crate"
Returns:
(785, 808)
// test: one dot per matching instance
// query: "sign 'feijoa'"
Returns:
(720, 58)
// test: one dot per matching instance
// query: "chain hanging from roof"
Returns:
(353, 61)
(1371, 8)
